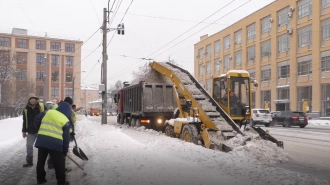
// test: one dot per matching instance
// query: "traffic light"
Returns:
(121, 29)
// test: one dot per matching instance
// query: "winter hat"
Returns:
(69, 100)
(31, 95)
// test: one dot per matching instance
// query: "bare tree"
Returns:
(7, 70)
(141, 71)
(118, 85)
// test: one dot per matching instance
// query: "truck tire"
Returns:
(121, 121)
(169, 131)
(132, 122)
(137, 123)
(190, 134)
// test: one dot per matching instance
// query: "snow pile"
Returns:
(151, 76)
(319, 122)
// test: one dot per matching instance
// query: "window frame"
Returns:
(266, 73)
(238, 55)
(41, 45)
(266, 45)
(217, 47)
(21, 75)
(266, 21)
(283, 43)
(302, 62)
(251, 53)
(226, 42)
(68, 48)
(238, 36)
(22, 43)
(54, 76)
(251, 31)
(4, 42)
(54, 62)
(283, 65)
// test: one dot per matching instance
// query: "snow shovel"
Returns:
(75, 162)
(78, 152)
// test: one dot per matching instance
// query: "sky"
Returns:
(152, 29)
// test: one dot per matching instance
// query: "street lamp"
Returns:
(74, 76)
(45, 73)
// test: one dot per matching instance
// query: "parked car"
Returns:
(273, 113)
(261, 116)
(290, 118)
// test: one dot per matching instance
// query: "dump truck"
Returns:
(145, 104)
(199, 117)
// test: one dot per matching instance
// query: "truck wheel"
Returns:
(190, 134)
(133, 122)
(169, 131)
(121, 121)
(137, 123)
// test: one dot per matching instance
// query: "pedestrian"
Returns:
(53, 139)
(29, 131)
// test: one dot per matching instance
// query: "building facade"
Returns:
(88, 94)
(63, 58)
(285, 46)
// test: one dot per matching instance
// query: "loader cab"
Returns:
(233, 94)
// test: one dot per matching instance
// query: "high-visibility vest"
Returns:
(52, 124)
(55, 107)
(41, 108)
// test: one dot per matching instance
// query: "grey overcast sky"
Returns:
(149, 25)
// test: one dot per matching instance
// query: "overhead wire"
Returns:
(176, 38)
(97, 16)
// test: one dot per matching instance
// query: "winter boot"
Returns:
(66, 183)
(42, 182)
(29, 162)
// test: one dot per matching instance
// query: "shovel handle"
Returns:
(76, 163)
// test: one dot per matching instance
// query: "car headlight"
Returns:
(159, 121)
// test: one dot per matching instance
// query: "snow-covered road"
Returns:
(123, 155)
(309, 148)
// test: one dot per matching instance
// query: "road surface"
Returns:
(309, 147)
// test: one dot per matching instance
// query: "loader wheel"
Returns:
(137, 123)
(169, 131)
(190, 134)
(132, 122)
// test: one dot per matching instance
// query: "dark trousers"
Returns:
(58, 161)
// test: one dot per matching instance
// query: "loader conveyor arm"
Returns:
(210, 113)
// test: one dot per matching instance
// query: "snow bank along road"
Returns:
(123, 155)
(309, 148)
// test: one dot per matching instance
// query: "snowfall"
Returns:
(119, 154)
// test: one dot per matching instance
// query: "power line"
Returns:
(25, 13)
(179, 36)
(95, 12)
(111, 8)
(115, 12)
(98, 61)
(205, 27)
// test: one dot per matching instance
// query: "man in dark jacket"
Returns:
(53, 139)
(29, 131)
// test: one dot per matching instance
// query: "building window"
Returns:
(227, 61)
(21, 58)
(283, 93)
(283, 43)
(55, 92)
(325, 60)
(56, 46)
(208, 85)
(201, 70)
(304, 95)
(22, 43)
(21, 75)
(40, 91)
(40, 75)
(40, 59)
(325, 3)
(55, 76)
(69, 77)
(69, 47)
(305, 65)
(200, 54)
(266, 99)
(202, 83)
(252, 73)
(55, 60)
(41, 45)
(283, 69)
(238, 58)
(217, 47)
(217, 65)
(304, 8)
(253, 99)
(208, 50)
(68, 92)
(282, 15)
(266, 48)
(325, 100)
(226, 42)
(238, 36)
(305, 36)
(4, 42)
(208, 68)
(265, 73)
(326, 29)
(69, 62)
(265, 25)
(251, 53)
(251, 31)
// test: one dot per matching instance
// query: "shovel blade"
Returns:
(79, 153)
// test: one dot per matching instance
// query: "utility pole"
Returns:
(104, 68)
